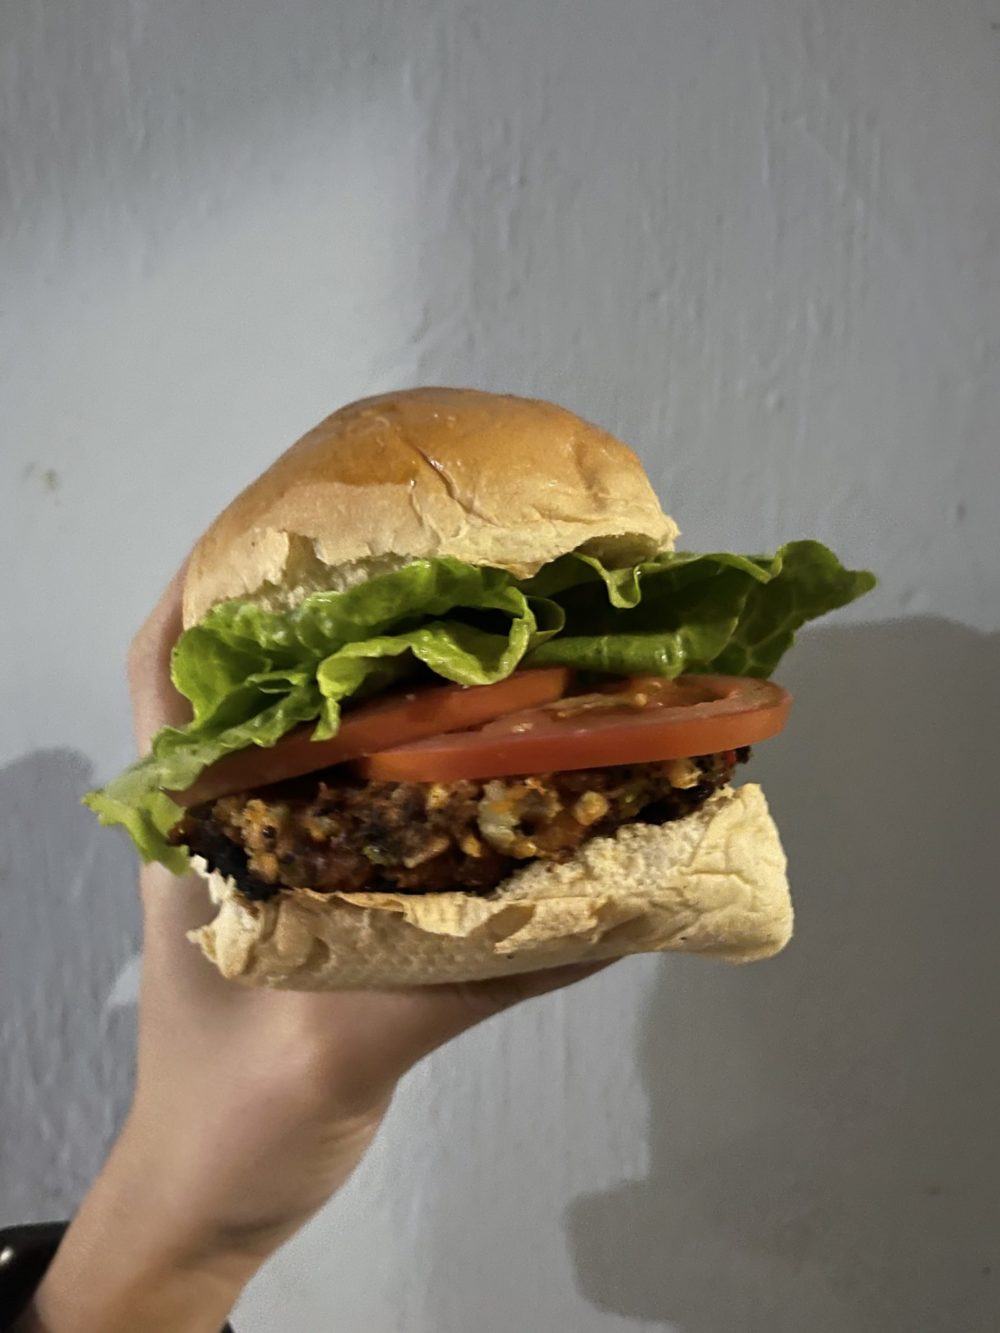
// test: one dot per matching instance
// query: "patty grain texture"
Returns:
(712, 883)
(333, 834)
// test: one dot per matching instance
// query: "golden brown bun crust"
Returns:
(713, 883)
(487, 478)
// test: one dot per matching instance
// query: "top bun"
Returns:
(487, 478)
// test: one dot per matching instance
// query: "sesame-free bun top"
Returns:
(487, 478)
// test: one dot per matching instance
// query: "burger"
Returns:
(460, 709)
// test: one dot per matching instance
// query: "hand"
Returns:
(251, 1107)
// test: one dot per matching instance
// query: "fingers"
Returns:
(492, 997)
(155, 702)
(530, 984)
(434, 1015)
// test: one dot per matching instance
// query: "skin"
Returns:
(251, 1108)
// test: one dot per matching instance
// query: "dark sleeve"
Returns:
(25, 1254)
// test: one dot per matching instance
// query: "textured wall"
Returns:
(758, 238)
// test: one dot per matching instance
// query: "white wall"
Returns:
(759, 239)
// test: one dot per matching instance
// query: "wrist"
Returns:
(151, 1298)
(131, 1261)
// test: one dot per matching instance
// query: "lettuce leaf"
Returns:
(732, 614)
(253, 674)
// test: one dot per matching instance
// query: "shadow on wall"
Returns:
(825, 1129)
(69, 926)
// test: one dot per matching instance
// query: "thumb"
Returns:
(155, 701)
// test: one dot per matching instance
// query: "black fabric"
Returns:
(25, 1254)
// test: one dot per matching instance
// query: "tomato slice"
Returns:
(385, 722)
(635, 721)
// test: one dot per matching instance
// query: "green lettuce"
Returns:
(732, 614)
(252, 674)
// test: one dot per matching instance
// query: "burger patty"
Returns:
(331, 832)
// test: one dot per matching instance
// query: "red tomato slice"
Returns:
(632, 722)
(383, 723)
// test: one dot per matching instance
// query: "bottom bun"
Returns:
(712, 883)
